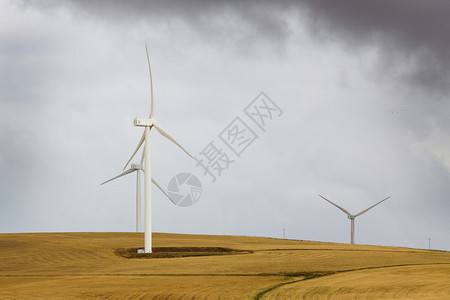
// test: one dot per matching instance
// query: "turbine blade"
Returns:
(143, 156)
(360, 213)
(164, 133)
(160, 188)
(124, 173)
(151, 81)
(336, 205)
(137, 148)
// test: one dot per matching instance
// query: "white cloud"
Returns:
(436, 145)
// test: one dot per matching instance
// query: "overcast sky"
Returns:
(363, 87)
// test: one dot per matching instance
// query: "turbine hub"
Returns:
(144, 122)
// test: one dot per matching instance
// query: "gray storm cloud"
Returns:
(409, 36)
(412, 33)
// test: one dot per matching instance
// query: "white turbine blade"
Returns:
(336, 205)
(164, 133)
(124, 173)
(143, 156)
(360, 213)
(137, 148)
(151, 81)
(160, 188)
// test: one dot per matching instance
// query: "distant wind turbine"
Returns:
(352, 217)
(148, 124)
(138, 168)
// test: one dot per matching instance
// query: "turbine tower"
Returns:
(138, 168)
(352, 217)
(148, 124)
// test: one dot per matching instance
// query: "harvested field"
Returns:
(87, 266)
(407, 282)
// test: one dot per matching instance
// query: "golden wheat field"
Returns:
(85, 266)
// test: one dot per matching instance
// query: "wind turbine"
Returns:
(138, 168)
(148, 124)
(352, 217)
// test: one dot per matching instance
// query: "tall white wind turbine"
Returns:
(138, 168)
(352, 217)
(148, 124)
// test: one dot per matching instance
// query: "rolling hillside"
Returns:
(85, 266)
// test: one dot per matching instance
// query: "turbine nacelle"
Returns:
(144, 122)
(351, 217)
(136, 166)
